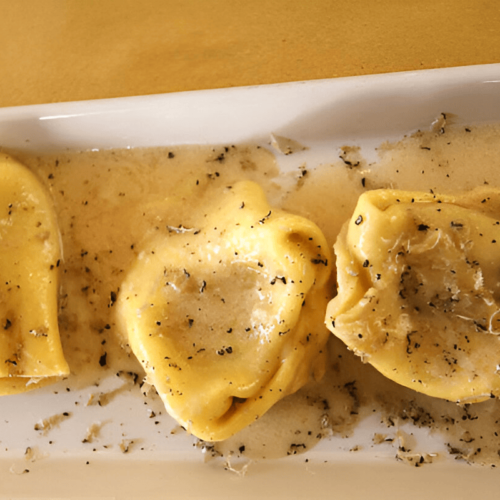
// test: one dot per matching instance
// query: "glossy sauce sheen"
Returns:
(108, 202)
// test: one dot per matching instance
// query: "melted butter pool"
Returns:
(110, 201)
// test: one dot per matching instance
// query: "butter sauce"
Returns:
(107, 202)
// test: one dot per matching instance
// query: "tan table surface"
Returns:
(64, 50)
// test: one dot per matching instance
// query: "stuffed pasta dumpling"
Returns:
(419, 290)
(223, 316)
(30, 348)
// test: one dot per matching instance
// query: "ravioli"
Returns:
(419, 290)
(30, 348)
(227, 317)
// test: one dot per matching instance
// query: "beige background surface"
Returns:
(64, 50)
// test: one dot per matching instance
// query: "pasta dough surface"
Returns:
(419, 290)
(30, 348)
(219, 314)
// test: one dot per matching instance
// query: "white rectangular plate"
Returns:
(322, 115)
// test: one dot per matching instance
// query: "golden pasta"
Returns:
(30, 348)
(419, 290)
(220, 314)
